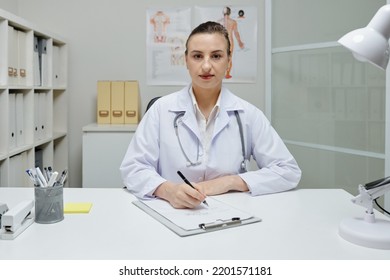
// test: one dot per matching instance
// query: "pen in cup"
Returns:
(52, 179)
(41, 178)
(188, 183)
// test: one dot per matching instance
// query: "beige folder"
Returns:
(117, 102)
(104, 102)
(132, 102)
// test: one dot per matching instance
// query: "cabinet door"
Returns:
(103, 153)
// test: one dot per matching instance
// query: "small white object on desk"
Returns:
(16, 220)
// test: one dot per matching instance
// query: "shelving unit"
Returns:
(33, 100)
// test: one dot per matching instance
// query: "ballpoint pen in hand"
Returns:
(188, 183)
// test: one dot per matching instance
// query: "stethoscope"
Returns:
(243, 166)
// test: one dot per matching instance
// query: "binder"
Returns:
(36, 117)
(12, 121)
(117, 102)
(132, 102)
(56, 66)
(203, 219)
(43, 58)
(42, 116)
(19, 120)
(36, 67)
(103, 102)
(12, 56)
(22, 58)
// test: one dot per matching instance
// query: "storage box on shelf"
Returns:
(33, 100)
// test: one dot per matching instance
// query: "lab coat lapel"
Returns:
(189, 120)
(227, 106)
(221, 121)
(184, 104)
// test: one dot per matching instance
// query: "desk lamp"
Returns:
(371, 44)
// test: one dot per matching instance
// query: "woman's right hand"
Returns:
(179, 195)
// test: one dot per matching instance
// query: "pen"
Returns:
(31, 176)
(63, 177)
(188, 183)
(52, 179)
(41, 178)
(50, 170)
(46, 174)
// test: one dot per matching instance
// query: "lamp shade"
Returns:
(371, 43)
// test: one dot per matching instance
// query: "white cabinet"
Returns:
(104, 147)
(33, 100)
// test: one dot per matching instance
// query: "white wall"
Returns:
(106, 40)
(9, 5)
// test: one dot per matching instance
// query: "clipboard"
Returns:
(203, 220)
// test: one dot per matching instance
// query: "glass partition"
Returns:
(328, 107)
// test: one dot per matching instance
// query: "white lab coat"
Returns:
(154, 154)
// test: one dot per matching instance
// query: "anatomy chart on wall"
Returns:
(167, 31)
(241, 23)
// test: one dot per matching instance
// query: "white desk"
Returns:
(300, 224)
(104, 147)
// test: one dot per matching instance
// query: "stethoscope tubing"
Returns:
(191, 163)
(175, 125)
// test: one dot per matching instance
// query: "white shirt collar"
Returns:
(214, 111)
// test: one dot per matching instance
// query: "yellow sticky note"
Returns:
(77, 207)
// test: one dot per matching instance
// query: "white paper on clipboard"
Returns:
(218, 215)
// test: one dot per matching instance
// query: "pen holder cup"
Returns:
(49, 204)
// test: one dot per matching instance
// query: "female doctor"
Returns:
(208, 134)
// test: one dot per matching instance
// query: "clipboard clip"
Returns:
(223, 223)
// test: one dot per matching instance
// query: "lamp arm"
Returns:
(366, 197)
(378, 192)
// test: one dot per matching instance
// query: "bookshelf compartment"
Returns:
(33, 100)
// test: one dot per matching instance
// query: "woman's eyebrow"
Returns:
(197, 51)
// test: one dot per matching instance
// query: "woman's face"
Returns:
(207, 60)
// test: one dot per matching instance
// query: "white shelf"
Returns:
(33, 100)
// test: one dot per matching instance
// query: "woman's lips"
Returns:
(206, 77)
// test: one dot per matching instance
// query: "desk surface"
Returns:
(299, 224)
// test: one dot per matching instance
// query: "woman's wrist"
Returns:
(224, 184)
(236, 183)
(162, 191)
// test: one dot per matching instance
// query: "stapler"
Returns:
(3, 209)
(16, 220)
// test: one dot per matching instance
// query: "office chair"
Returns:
(151, 102)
